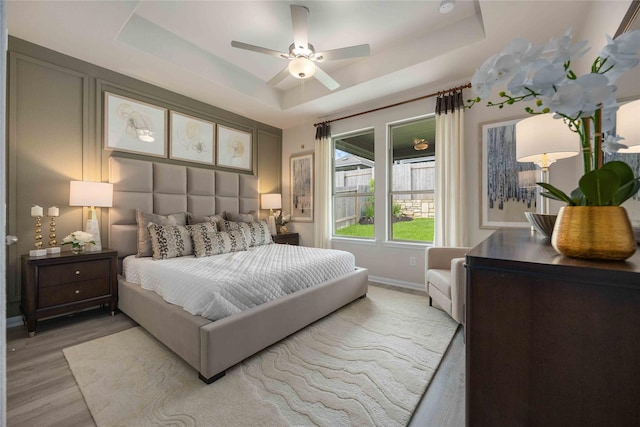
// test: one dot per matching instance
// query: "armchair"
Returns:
(445, 279)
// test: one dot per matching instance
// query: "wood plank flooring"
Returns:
(41, 390)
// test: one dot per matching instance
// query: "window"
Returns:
(353, 185)
(412, 180)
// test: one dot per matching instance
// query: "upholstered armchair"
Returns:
(445, 279)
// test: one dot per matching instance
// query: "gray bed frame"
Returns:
(210, 347)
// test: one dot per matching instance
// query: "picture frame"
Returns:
(508, 187)
(302, 185)
(192, 139)
(134, 126)
(234, 148)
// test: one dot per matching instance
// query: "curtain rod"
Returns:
(442, 92)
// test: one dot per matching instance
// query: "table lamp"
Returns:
(541, 139)
(92, 195)
(271, 201)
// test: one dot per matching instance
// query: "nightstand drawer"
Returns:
(53, 275)
(72, 292)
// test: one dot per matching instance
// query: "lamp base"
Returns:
(37, 252)
(94, 230)
(53, 250)
(272, 225)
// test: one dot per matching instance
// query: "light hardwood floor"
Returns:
(41, 390)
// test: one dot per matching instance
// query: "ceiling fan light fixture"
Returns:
(446, 6)
(302, 68)
(420, 144)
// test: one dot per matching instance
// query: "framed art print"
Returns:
(508, 187)
(134, 126)
(234, 148)
(301, 170)
(192, 139)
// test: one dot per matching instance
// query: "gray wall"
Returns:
(54, 129)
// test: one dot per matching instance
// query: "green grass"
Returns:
(420, 229)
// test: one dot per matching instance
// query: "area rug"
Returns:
(366, 364)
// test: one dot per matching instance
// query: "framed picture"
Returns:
(234, 148)
(301, 170)
(508, 187)
(192, 139)
(134, 126)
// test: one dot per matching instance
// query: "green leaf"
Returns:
(599, 186)
(626, 191)
(577, 197)
(623, 170)
(554, 193)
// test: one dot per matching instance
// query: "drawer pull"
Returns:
(77, 291)
(77, 272)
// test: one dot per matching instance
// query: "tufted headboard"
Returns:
(165, 189)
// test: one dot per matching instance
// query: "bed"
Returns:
(210, 347)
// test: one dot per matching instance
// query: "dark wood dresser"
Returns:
(287, 239)
(65, 282)
(550, 340)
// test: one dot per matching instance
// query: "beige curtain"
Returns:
(450, 192)
(322, 197)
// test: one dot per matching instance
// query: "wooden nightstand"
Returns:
(287, 239)
(65, 282)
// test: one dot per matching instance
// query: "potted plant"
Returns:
(282, 220)
(78, 240)
(587, 105)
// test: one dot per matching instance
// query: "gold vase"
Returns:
(594, 232)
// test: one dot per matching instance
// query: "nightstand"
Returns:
(287, 239)
(65, 282)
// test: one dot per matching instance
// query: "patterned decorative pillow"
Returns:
(257, 232)
(238, 217)
(208, 241)
(170, 241)
(144, 218)
(199, 219)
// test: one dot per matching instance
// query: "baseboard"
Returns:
(398, 283)
(12, 322)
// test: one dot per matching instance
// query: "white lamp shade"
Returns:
(302, 68)
(87, 193)
(628, 126)
(542, 134)
(271, 201)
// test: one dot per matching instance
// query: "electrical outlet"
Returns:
(412, 261)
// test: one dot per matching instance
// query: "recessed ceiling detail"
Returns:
(184, 46)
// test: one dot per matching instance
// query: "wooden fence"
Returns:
(353, 188)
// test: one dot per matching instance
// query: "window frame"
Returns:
(344, 135)
(391, 193)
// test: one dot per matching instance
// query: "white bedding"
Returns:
(218, 286)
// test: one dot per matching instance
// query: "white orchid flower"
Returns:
(598, 93)
(611, 144)
(547, 77)
(568, 100)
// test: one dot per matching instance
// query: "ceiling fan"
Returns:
(302, 55)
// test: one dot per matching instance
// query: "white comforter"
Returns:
(218, 286)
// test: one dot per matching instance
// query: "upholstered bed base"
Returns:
(210, 347)
(213, 347)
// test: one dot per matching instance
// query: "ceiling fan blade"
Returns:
(325, 79)
(299, 20)
(279, 77)
(344, 53)
(259, 49)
